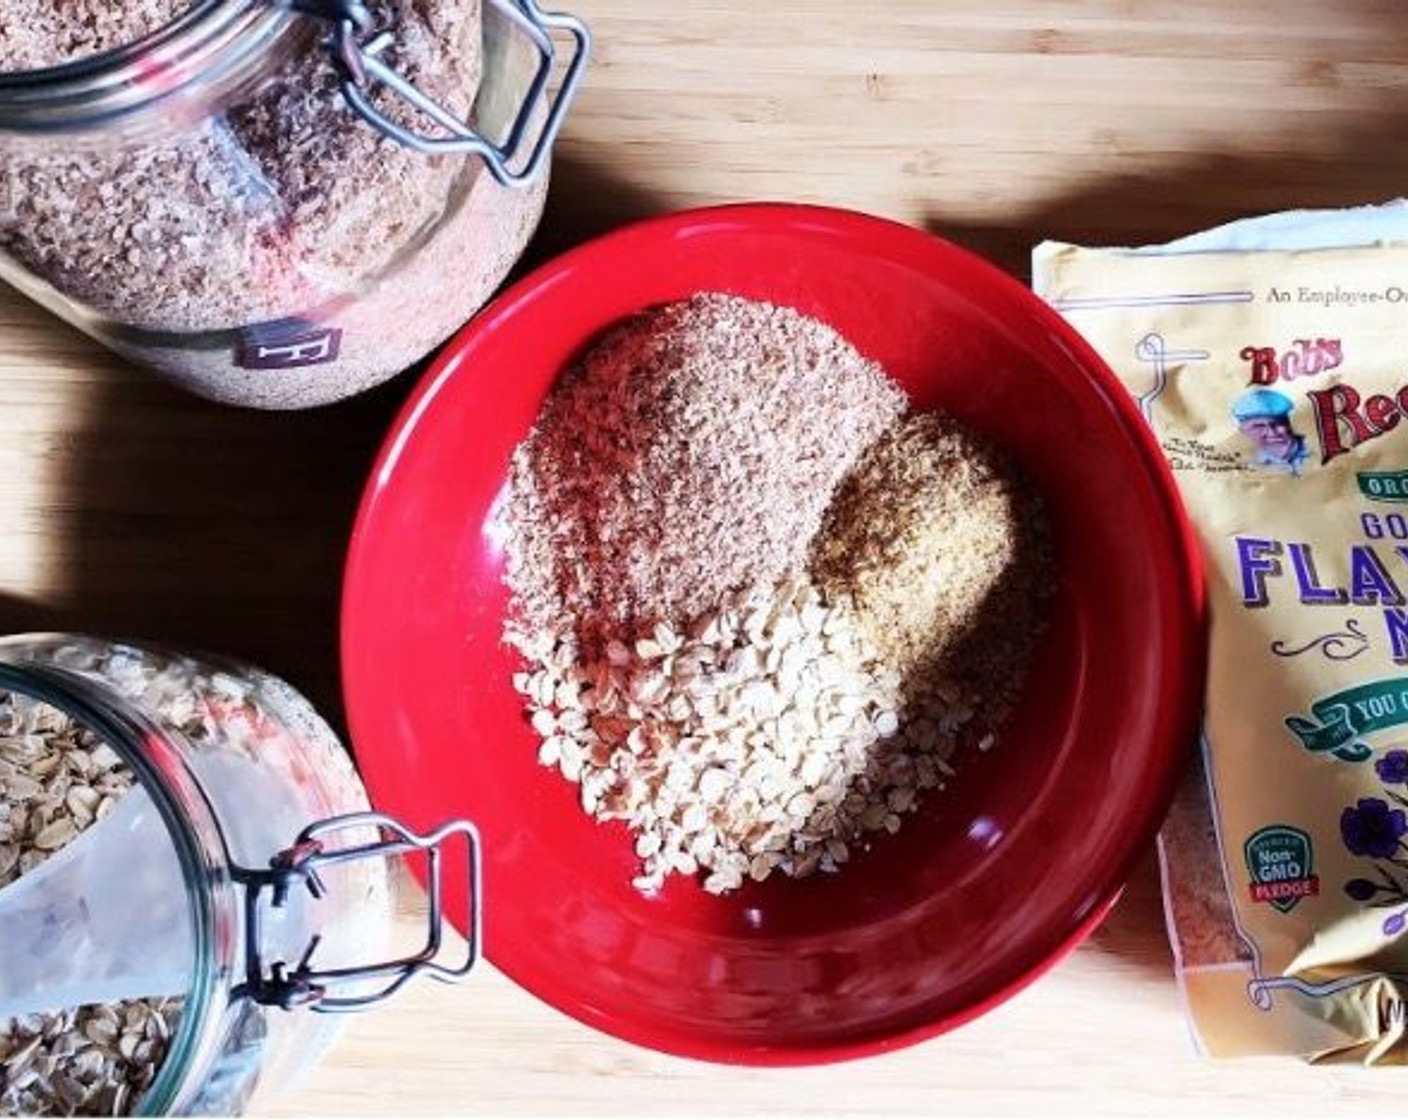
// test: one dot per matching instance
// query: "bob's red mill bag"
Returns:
(1277, 384)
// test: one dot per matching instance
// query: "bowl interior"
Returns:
(991, 880)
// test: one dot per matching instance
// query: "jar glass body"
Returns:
(237, 763)
(235, 227)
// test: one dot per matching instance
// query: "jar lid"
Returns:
(516, 157)
(112, 842)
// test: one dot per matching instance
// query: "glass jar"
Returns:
(250, 875)
(280, 208)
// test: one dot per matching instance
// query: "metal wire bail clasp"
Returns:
(279, 984)
(357, 51)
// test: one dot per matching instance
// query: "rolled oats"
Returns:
(56, 779)
(87, 1061)
(733, 768)
(54, 776)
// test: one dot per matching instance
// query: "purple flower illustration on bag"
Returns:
(1374, 828)
(1393, 768)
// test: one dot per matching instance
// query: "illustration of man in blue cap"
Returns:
(1264, 417)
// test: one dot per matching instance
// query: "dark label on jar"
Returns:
(288, 346)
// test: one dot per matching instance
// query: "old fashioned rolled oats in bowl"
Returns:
(268, 205)
(188, 871)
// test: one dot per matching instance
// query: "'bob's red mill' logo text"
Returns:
(1344, 417)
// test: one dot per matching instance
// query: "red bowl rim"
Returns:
(1187, 677)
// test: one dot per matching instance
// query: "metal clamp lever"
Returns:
(357, 52)
(279, 985)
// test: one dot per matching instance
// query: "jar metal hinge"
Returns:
(277, 983)
(358, 51)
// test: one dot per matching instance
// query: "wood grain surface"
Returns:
(133, 509)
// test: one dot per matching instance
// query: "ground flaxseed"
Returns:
(941, 544)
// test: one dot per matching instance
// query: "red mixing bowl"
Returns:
(992, 881)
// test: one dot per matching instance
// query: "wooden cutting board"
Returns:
(133, 509)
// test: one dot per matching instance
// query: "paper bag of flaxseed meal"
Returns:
(1277, 384)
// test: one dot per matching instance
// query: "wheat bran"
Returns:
(287, 209)
(691, 452)
(40, 33)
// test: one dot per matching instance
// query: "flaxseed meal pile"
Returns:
(261, 224)
(724, 647)
(927, 537)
